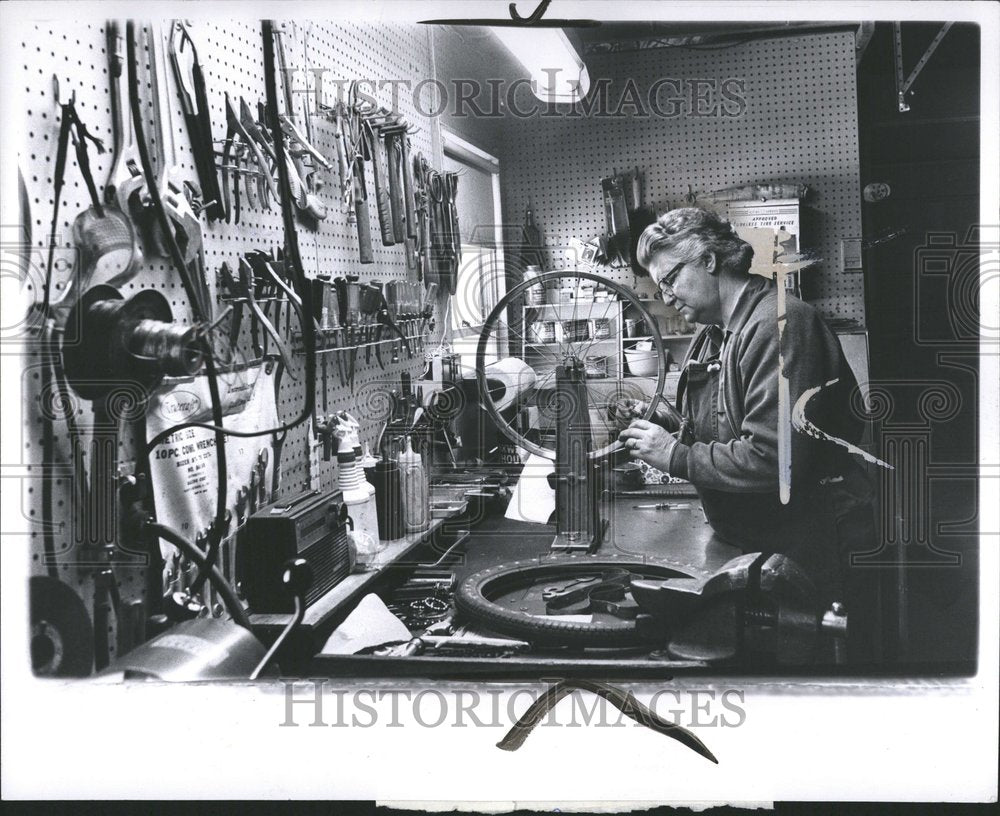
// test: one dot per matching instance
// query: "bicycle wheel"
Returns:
(505, 599)
(583, 327)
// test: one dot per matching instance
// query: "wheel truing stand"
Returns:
(580, 473)
(578, 479)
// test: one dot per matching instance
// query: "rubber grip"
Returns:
(395, 191)
(382, 197)
(365, 252)
(425, 242)
(411, 217)
(210, 187)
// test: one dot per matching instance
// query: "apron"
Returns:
(827, 518)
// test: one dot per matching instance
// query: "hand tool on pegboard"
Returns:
(102, 235)
(395, 133)
(235, 130)
(332, 312)
(422, 207)
(327, 304)
(125, 181)
(246, 283)
(451, 191)
(182, 194)
(347, 294)
(356, 159)
(313, 181)
(394, 154)
(230, 200)
(173, 189)
(412, 234)
(442, 255)
(301, 155)
(368, 303)
(339, 116)
(232, 295)
(374, 149)
(193, 95)
(265, 184)
(387, 317)
(427, 310)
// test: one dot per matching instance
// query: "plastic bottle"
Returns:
(359, 496)
(413, 487)
(368, 463)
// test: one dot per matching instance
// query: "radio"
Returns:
(311, 525)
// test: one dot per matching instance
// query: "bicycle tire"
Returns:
(473, 600)
(491, 323)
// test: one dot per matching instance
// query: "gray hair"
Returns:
(691, 233)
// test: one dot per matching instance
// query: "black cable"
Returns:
(48, 455)
(220, 584)
(276, 646)
(299, 280)
(47, 376)
(302, 284)
(197, 307)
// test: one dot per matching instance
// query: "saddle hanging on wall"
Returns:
(622, 193)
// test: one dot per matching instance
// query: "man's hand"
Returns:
(626, 410)
(649, 442)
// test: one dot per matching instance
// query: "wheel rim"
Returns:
(492, 324)
(479, 598)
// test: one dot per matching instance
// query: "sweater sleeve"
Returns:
(750, 462)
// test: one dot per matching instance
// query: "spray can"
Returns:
(359, 496)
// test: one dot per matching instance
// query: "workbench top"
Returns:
(678, 538)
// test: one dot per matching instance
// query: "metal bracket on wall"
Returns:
(903, 86)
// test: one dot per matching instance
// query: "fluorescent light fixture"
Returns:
(556, 70)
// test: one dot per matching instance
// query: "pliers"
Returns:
(369, 302)
(234, 129)
(246, 284)
(194, 102)
(265, 184)
(236, 319)
(347, 296)
(243, 289)
(385, 318)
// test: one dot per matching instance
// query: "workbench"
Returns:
(678, 538)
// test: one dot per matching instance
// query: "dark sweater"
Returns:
(737, 476)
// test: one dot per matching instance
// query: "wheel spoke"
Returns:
(556, 352)
(602, 417)
(603, 317)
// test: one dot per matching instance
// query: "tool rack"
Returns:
(60, 58)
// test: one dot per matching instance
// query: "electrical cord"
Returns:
(220, 584)
(299, 281)
(197, 307)
(308, 326)
(276, 646)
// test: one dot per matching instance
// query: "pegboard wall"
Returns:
(231, 54)
(798, 125)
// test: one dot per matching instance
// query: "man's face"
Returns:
(688, 287)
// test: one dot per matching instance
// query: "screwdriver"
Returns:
(661, 506)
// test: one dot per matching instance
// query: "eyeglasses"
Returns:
(666, 283)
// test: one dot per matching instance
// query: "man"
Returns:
(727, 441)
